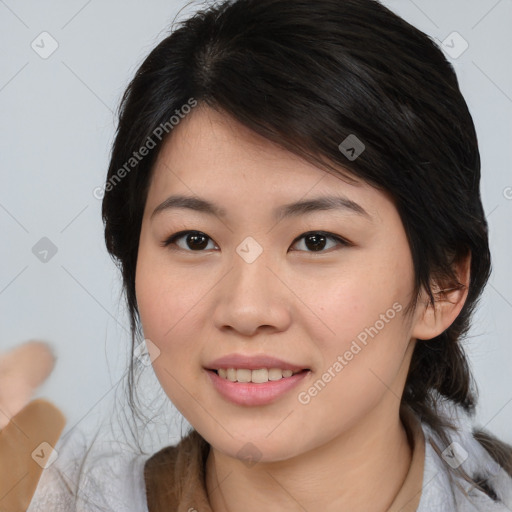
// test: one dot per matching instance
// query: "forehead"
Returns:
(212, 155)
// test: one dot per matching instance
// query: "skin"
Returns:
(292, 302)
(22, 370)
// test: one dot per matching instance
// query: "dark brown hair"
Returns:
(306, 75)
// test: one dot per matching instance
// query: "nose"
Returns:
(253, 297)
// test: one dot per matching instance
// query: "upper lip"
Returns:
(252, 363)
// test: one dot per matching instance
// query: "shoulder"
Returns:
(191, 448)
(461, 474)
(176, 473)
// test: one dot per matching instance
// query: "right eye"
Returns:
(196, 241)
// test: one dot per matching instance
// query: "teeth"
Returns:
(243, 375)
(259, 376)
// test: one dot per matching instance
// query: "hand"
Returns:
(22, 370)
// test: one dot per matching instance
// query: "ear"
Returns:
(449, 298)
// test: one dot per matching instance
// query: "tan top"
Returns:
(186, 461)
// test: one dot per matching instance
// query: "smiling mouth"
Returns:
(258, 376)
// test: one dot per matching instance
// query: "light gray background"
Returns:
(57, 125)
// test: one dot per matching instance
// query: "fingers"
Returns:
(22, 370)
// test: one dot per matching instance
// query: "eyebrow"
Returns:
(295, 209)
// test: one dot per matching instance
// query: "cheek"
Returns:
(165, 296)
(166, 312)
(366, 334)
(361, 354)
(362, 307)
(170, 311)
(347, 302)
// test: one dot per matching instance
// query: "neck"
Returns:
(362, 469)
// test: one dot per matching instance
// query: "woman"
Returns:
(293, 201)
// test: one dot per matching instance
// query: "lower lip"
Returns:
(249, 393)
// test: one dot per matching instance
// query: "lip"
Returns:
(253, 394)
(252, 363)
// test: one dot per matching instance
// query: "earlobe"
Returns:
(433, 319)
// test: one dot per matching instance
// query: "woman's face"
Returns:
(251, 284)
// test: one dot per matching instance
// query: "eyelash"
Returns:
(176, 236)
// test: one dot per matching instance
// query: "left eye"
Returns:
(198, 241)
(195, 239)
(317, 240)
